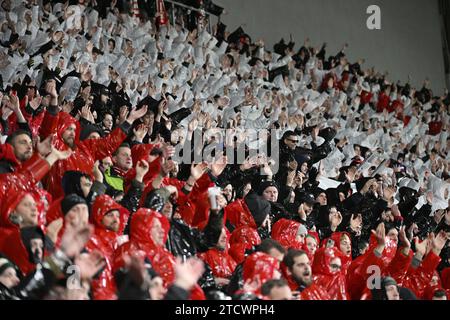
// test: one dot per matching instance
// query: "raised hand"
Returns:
(86, 113)
(98, 176)
(219, 165)
(90, 264)
(193, 124)
(45, 147)
(188, 273)
(75, 238)
(380, 234)
(53, 229)
(140, 132)
(198, 170)
(142, 168)
(50, 88)
(421, 247)
(403, 238)
(136, 114)
(438, 242)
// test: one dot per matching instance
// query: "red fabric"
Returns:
(396, 106)
(366, 97)
(17, 253)
(418, 279)
(7, 153)
(260, 266)
(358, 274)
(85, 152)
(398, 267)
(105, 241)
(445, 276)
(346, 259)
(434, 128)
(383, 102)
(333, 283)
(140, 240)
(285, 232)
(25, 177)
(221, 263)
(243, 238)
(239, 215)
(314, 292)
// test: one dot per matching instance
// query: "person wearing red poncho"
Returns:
(109, 220)
(297, 271)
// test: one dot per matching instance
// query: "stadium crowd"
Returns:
(103, 116)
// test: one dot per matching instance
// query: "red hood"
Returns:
(221, 263)
(7, 153)
(17, 253)
(322, 260)
(239, 214)
(102, 205)
(141, 224)
(14, 197)
(245, 235)
(291, 282)
(64, 121)
(260, 265)
(285, 232)
(345, 259)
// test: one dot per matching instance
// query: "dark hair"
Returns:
(273, 283)
(17, 133)
(123, 145)
(290, 257)
(267, 244)
(288, 134)
(439, 293)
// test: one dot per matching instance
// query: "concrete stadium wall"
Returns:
(409, 42)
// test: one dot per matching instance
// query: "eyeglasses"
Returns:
(292, 140)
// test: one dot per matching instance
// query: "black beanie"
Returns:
(71, 201)
(264, 185)
(258, 206)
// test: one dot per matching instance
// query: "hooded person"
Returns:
(19, 212)
(109, 219)
(262, 266)
(289, 233)
(183, 239)
(86, 152)
(246, 218)
(26, 248)
(328, 273)
(220, 261)
(296, 269)
(342, 241)
(148, 233)
(389, 290)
